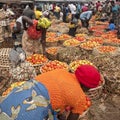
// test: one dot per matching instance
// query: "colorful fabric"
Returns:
(88, 76)
(64, 90)
(30, 46)
(30, 101)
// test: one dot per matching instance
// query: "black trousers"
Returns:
(72, 31)
(85, 23)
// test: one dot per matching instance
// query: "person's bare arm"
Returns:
(26, 21)
(18, 28)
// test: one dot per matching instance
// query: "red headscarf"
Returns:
(88, 76)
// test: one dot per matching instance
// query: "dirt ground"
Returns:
(105, 109)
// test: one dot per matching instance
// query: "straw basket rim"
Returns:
(88, 48)
(35, 65)
(80, 65)
(52, 47)
(84, 113)
(100, 86)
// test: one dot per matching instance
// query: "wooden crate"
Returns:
(4, 57)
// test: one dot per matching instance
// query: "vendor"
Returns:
(38, 12)
(73, 25)
(36, 99)
(85, 18)
(100, 15)
(31, 35)
(111, 25)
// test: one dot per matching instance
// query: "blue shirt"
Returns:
(111, 26)
(86, 15)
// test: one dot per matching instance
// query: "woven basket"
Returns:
(1, 39)
(112, 53)
(4, 70)
(3, 84)
(4, 57)
(51, 44)
(95, 93)
(52, 56)
(112, 86)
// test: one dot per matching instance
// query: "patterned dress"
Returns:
(30, 46)
(30, 101)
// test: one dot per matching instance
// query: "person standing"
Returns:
(29, 11)
(5, 21)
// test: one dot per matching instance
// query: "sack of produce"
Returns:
(68, 54)
(33, 33)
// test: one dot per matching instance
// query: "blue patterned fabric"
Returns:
(30, 101)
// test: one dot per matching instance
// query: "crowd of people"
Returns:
(47, 96)
(103, 11)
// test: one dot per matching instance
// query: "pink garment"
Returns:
(84, 8)
(97, 5)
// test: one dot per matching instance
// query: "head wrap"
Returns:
(88, 75)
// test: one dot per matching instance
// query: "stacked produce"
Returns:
(89, 45)
(73, 65)
(113, 41)
(71, 43)
(52, 65)
(97, 39)
(51, 39)
(97, 33)
(37, 59)
(104, 49)
(80, 37)
(109, 35)
(52, 52)
(107, 64)
(64, 37)
(13, 85)
(110, 50)
(51, 34)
